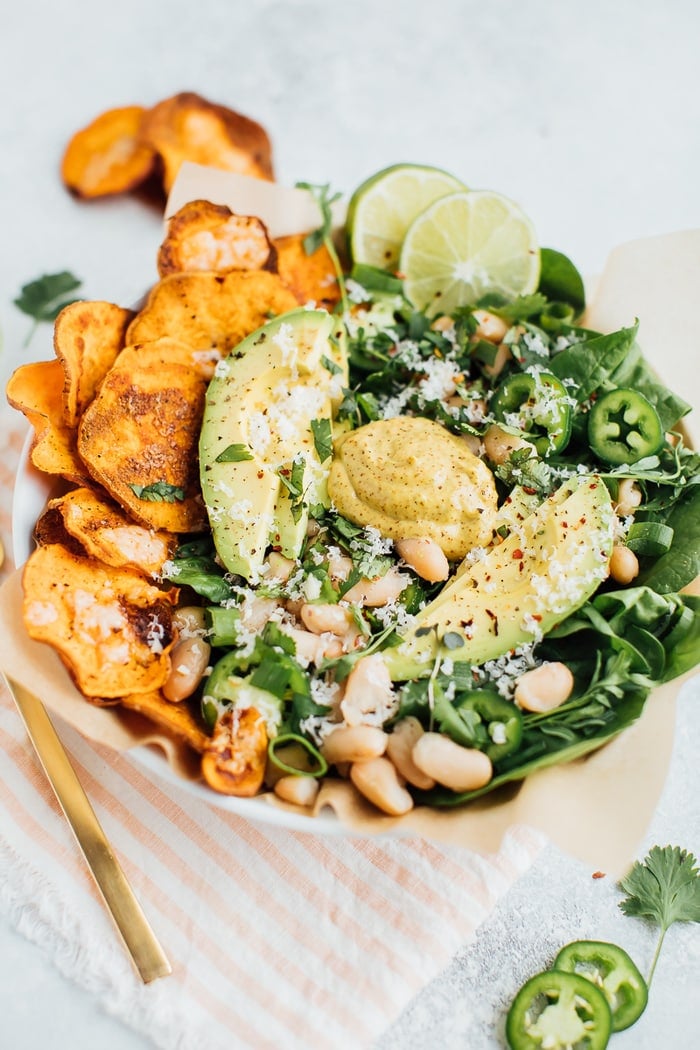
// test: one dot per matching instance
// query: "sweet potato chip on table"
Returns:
(112, 628)
(210, 237)
(87, 338)
(36, 390)
(152, 400)
(108, 156)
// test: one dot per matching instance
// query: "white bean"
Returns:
(624, 565)
(301, 791)
(629, 497)
(426, 557)
(498, 444)
(456, 767)
(280, 568)
(188, 620)
(377, 779)
(399, 748)
(313, 648)
(380, 591)
(544, 687)
(189, 660)
(369, 695)
(354, 744)
(322, 618)
(490, 326)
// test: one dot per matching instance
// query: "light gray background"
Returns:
(587, 114)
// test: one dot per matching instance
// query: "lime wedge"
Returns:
(383, 207)
(465, 245)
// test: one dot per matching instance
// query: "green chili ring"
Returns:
(537, 404)
(288, 738)
(623, 427)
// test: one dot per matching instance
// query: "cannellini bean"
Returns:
(498, 444)
(339, 565)
(624, 566)
(188, 620)
(442, 323)
(399, 748)
(456, 767)
(279, 567)
(322, 618)
(189, 660)
(629, 496)
(426, 557)
(378, 781)
(354, 744)
(473, 443)
(313, 648)
(490, 326)
(301, 791)
(544, 687)
(381, 591)
(256, 611)
(368, 692)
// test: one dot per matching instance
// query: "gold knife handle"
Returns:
(140, 941)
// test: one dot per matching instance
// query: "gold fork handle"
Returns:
(138, 937)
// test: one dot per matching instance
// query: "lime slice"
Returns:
(465, 245)
(383, 207)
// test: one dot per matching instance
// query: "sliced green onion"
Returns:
(555, 315)
(649, 538)
(222, 625)
(321, 766)
(376, 280)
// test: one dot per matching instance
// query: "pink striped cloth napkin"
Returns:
(277, 938)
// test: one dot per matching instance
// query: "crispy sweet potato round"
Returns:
(189, 127)
(312, 278)
(108, 156)
(209, 237)
(234, 758)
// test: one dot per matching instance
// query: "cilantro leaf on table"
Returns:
(44, 298)
(665, 888)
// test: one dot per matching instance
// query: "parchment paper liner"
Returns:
(596, 808)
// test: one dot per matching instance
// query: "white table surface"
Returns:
(587, 114)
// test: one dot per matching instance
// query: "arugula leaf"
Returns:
(560, 280)
(159, 492)
(44, 298)
(664, 888)
(323, 441)
(236, 453)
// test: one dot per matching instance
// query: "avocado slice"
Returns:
(549, 565)
(257, 429)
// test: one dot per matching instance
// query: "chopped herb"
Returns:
(323, 441)
(236, 453)
(324, 234)
(44, 298)
(159, 492)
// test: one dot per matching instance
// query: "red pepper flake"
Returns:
(261, 473)
(517, 554)
(598, 875)
(530, 492)
(582, 521)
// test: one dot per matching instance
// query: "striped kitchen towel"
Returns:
(276, 937)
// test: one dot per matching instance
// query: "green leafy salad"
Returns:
(450, 523)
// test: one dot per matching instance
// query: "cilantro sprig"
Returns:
(323, 235)
(664, 888)
(44, 298)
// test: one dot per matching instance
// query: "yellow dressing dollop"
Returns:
(409, 478)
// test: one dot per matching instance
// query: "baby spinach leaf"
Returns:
(590, 363)
(681, 563)
(560, 280)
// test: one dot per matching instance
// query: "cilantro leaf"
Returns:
(44, 298)
(159, 492)
(324, 234)
(664, 888)
(321, 429)
(236, 453)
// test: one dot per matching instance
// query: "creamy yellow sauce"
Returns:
(410, 478)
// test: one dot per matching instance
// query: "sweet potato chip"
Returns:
(139, 436)
(111, 628)
(178, 718)
(312, 278)
(87, 338)
(211, 311)
(108, 156)
(235, 755)
(205, 236)
(36, 390)
(188, 127)
(106, 533)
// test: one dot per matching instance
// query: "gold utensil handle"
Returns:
(140, 941)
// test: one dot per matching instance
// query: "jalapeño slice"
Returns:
(538, 404)
(611, 969)
(484, 720)
(558, 1010)
(623, 427)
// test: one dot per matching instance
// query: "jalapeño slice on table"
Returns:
(623, 427)
(538, 404)
(559, 1010)
(611, 969)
